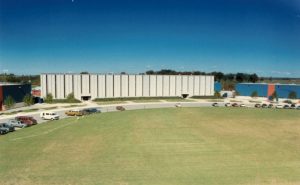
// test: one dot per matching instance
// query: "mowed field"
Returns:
(174, 146)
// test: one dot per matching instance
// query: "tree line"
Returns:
(12, 78)
(219, 76)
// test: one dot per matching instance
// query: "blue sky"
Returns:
(261, 36)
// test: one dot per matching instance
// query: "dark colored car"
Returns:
(264, 105)
(270, 105)
(293, 106)
(90, 111)
(28, 120)
(3, 130)
(215, 105)
(235, 105)
(8, 126)
(298, 107)
(257, 105)
(120, 108)
(227, 104)
(286, 107)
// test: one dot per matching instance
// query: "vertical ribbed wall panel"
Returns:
(101, 86)
(94, 86)
(172, 85)
(178, 85)
(109, 86)
(185, 85)
(139, 85)
(159, 85)
(153, 85)
(196, 85)
(85, 84)
(212, 87)
(202, 85)
(146, 85)
(124, 85)
(191, 85)
(51, 85)
(132, 85)
(207, 88)
(117, 86)
(77, 86)
(44, 85)
(166, 85)
(68, 84)
(60, 86)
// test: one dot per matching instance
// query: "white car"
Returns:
(49, 116)
(280, 106)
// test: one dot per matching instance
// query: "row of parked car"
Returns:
(27, 121)
(263, 105)
(18, 122)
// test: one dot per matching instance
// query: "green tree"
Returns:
(292, 95)
(48, 98)
(254, 94)
(9, 102)
(28, 100)
(274, 96)
(253, 78)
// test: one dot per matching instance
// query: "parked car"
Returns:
(298, 107)
(10, 127)
(215, 105)
(49, 115)
(242, 105)
(234, 105)
(3, 130)
(28, 120)
(227, 104)
(120, 108)
(74, 113)
(264, 105)
(293, 106)
(270, 105)
(16, 123)
(90, 111)
(280, 106)
(286, 106)
(257, 105)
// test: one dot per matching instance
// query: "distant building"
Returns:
(16, 91)
(266, 90)
(91, 86)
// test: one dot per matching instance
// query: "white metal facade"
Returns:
(110, 86)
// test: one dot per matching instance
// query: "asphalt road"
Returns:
(111, 108)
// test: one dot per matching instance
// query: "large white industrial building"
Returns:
(91, 86)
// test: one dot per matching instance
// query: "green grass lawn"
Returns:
(175, 146)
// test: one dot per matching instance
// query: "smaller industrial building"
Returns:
(16, 91)
(266, 90)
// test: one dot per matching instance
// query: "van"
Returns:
(49, 116)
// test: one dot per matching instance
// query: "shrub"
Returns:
(217, 94)
(71, 98)
(28, 100)
(274, 96)
(292, 95)
(120, 108)
(48, 98)
(254, 94)
(9, 102)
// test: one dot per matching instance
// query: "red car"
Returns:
(28, 120)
